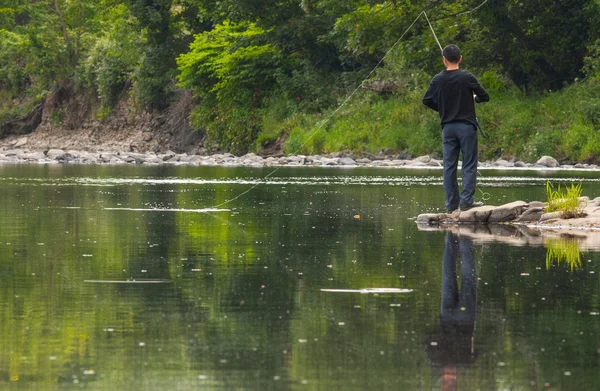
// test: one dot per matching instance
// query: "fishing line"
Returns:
(326, 120)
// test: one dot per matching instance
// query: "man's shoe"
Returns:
(450, 211)
(471, 206)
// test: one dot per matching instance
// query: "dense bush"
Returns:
(114, 57)
(232, 70)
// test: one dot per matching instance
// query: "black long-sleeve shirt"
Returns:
(450, 93)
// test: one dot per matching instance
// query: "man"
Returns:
(452, 94)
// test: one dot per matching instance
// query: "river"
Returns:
(140, 278)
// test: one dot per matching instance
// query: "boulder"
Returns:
(537, 204)
(550, 216)
(54, 154)
(476, 215)
(423, 159)
(547, 161)
(532, 214)
(507, 212)
(168, 155)
(20, 142)
(502, 163)
(429, 218)
(346, 161)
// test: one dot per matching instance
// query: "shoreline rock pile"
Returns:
(22, 156)
(518, 212)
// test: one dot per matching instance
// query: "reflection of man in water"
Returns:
(453, 346)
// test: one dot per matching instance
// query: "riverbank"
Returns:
(19, 153)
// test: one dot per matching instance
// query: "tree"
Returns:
(157, 69)
(539, 44)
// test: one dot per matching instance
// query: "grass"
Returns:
(564, 124)
(564, 200)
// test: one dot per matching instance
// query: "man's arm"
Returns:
(481, 94)
(430, 98)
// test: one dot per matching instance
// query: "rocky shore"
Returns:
(532, 214)
(18, 153)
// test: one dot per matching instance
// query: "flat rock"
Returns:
(20, 142)
(429, 218)
(550, 216)
(537, 204)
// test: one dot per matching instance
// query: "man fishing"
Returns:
(452, 94)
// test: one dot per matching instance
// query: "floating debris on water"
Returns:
(205, 210)
(127, 281)
(369, 290)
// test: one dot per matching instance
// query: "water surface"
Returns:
(122, 277)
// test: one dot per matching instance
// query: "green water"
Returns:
(99, 291)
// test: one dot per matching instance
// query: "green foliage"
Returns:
(14, 50)
(231, 69)
(592, 60)
(532, 46)
(565, 200)
(114, 58)
(156, 73)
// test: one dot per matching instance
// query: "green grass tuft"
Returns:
(564, 200)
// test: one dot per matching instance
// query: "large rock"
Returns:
(423, 159)
(54, 154)
(532, 214)
(507, 212)
(537, 204)
(502, 163)
(20, 142)
(547, 161)
(550, 216)
(346, 161)
(429, 218)
(476, 215)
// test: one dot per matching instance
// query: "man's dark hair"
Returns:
(452, 53)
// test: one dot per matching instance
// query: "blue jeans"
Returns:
(459, 137)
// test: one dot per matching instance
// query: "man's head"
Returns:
(452, 56)
(452, 53)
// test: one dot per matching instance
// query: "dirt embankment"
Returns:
(70, 121)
